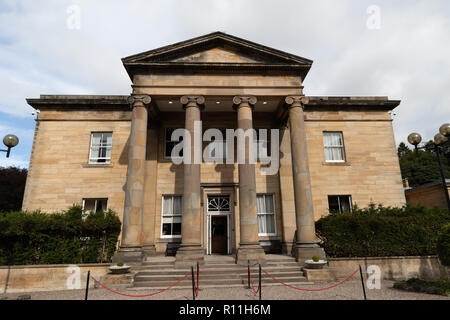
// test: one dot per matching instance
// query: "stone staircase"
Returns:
(218, 271)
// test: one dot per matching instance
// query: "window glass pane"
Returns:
(261, 223)
(260, 203)
(269, 203)
(176, 229)
(166, 229)
(167, 206)
(177, 205)
(333, 204)
(345, 203)
(270, 221)
(89, 204)
(95, 139)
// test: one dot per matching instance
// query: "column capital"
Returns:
(244, 101)
(296, 101)
(192, 101)
(136, 99)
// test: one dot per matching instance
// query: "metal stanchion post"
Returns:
(260, 282)
(87, 285)
(193, 283)
(362, 282)
(248, 274)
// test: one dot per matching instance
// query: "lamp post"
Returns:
(10, 141)
(439, 140)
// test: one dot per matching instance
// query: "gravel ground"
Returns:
(350, 290)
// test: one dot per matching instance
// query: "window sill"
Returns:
(337, 164)
(169, 238)
(268, 235)
(97, 165)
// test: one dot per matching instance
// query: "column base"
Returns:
(305, 251)
(250, 252)
(148, 250)
(288, 248)
(128, 254)
(189, 256)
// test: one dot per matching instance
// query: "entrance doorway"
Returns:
(219, 234)
(218, 224)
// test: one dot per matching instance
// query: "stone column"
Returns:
(287, 192)
(306, 242)
(150, 189)
(191, 250)
(131, 247)
(249, 247)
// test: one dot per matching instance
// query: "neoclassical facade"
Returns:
(114, 152)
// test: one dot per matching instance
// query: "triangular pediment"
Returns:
(217, 55)
(216, 51)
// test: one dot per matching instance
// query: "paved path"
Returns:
(350, 290)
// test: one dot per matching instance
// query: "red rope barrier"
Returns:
(251, 281)
(142, 295)
(302, 289)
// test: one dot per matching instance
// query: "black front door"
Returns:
(219, 234)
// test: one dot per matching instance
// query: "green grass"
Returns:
(440, 287)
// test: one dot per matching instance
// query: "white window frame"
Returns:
(95, 203)
(91, 158)
(339, 201)
(274, 214)
(163, 236)
(341, 147)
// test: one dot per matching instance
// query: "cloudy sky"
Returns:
(399, 49)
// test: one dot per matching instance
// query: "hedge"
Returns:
(379, 231)
(69, 237)
(443, 245)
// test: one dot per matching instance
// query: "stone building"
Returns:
(114, 152)
(428, 195)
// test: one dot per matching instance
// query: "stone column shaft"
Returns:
(131, 247)
(249, 247)
(151, 175)
(306, 241)
(191, 250)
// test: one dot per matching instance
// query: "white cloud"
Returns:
(406, 59)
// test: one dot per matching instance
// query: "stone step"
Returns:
(233, 270)
(213, 282)
(150, 277)
(158, 263)
(183, 286)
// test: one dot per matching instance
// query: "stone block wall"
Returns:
(59, 173)
(371, 172)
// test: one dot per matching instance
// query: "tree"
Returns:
(12, 187)
(402, 150)
(422, 167)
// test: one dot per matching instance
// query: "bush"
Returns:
(440, 287)
(382, 231)
(443, 245)
(68, 237)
